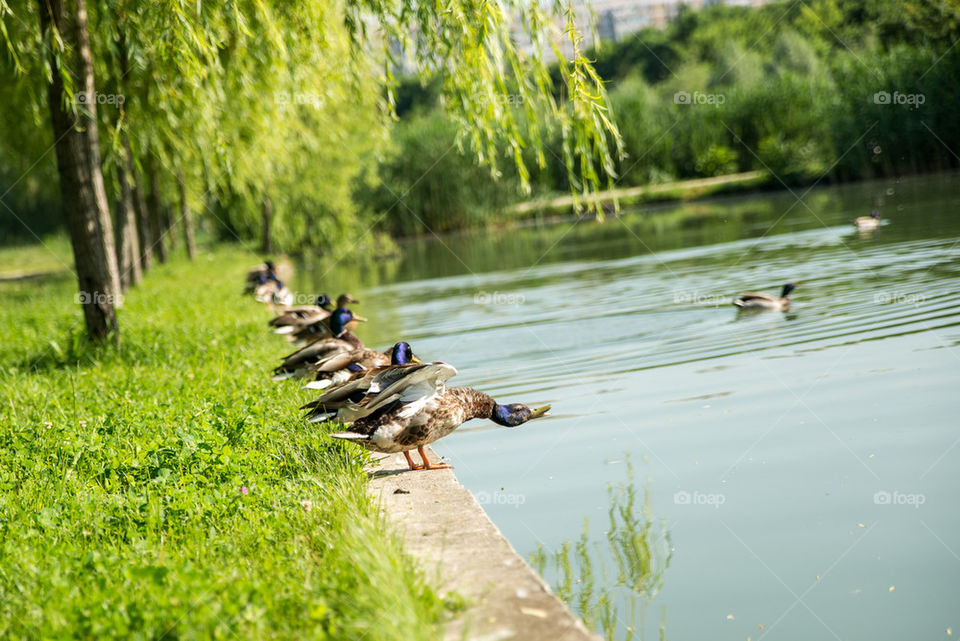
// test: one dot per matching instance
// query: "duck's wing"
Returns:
(312, 353)
(414, 383)
(298, 315)
(755, 296)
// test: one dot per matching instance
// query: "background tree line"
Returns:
(789, 87)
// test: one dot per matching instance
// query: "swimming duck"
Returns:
(319, 325)
(293, 317)
(867, 223)
(338, 367)
(299, 362)
(757, 301)
(417, 408)
(341, 398)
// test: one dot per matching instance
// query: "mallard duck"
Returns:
(867, 223)
(416, 408)
(259, 276)
(293, 317)
(299, 362)
(754, 300)
(342, 396)
(338, 367)
(319, 325)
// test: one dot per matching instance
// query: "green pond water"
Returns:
(802, 469)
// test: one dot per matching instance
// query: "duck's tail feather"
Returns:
(323, 383)
(284, 329)
(350, 436)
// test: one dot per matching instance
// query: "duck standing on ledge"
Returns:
(867, 223)
(343, 366)
(302, 361)
(293, 317)
(417, 409)
(319, 325)
(759, 301)
(341, 399)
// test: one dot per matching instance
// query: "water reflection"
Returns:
(612, 597)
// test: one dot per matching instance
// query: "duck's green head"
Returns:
(339, 319)
(402, 354)
(322, 300)
(516, 414)
(789, 287)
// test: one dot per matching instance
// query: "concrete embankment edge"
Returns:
(460, 550)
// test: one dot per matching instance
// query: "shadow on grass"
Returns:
(72, 350)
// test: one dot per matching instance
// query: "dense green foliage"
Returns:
(788, 87)
(287, 104)
(167, 488)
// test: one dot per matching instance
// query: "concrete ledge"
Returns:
(461, 550)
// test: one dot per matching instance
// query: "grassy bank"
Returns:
(680, 190)
(168, 489)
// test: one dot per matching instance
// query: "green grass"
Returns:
(122, 512)
(51, 254)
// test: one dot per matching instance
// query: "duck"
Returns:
(319, 325)
(342, 366)
(293, 317)
(867, 223)
(416, 409)
(297, 364)
(341, 399)
(259, 276)
(758, 301)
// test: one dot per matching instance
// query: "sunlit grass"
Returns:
(167, 488)
(51, 254)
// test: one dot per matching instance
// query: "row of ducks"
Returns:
(389, 401)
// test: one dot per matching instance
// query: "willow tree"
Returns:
(63, 26)
(289, 103)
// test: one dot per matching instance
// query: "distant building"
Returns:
(614, 20)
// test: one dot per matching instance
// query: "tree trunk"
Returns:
(128, 249)
(170, 223)
(144, 231)
(267, 216)
(154, 212)
(78, 164)
(186, 218)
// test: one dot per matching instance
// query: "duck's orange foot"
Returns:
(413, 466)
(427, 465)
